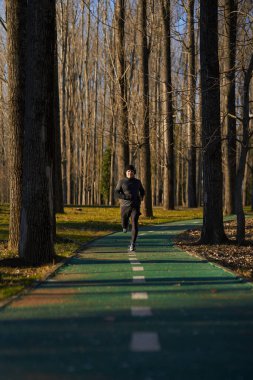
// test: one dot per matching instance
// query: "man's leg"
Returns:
(125, 215)
(135, 225)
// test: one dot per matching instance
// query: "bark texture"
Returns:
(168, 133)
(212, 230)
(144, 114)
(16, 26)
(192, 198)
(37, 215)
(230, 24)
(122, 129)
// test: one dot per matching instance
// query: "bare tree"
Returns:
(64, 28)
(16, 25)
(37, 214)
(230, 21)
(243, 156)
(168, 133)
(192, 199)
(212, 230)
(58, 191)
(122, 128)
(144, 113)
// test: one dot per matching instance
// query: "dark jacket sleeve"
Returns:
(118, 191)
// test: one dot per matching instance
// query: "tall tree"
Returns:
(57, 175)
(16, 26)
(37, 214)
(212, 230)
(243, 155)
(168, 133)
(230, 24)
(192, 198)
(122, 130)
(64, 49)
(144, 113)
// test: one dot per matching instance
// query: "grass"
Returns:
(77, 226)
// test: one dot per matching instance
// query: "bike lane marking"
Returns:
(145, 342)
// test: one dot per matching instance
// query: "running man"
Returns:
(130, 192)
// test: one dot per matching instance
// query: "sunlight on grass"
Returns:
(86, 223)
(4, 222)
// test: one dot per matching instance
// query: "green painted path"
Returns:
(111, 315)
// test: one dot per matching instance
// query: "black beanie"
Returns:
(131, 167)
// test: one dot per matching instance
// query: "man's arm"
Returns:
(118, 191)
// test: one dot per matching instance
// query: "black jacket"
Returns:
(130, 192)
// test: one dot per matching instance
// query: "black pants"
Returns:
(134, 213)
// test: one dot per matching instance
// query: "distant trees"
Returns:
(131, 88)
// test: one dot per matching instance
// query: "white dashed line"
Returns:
(139, 296)
(145, 342)
(138, 279)
(141, 311)
(137, 269)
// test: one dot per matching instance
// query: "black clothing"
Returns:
(130, 192)
(134, 213)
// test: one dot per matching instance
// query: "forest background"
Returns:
(165, 85)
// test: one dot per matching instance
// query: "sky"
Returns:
(2, 7)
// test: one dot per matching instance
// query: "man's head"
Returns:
(130, 171)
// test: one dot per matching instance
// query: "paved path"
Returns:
(112, 315)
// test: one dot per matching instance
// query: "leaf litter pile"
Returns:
(232, 256)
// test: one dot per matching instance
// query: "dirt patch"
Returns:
(232, 256)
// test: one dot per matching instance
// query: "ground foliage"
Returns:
(238, 258)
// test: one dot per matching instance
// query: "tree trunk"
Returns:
(16, 25)
(65, 37)
(229, 107)
(243, 156)
(144, 114)
(212, 230)
(58, 191)
(169, 182)
(122, 129)
(37, 214)
(87, 109)
(192, 199)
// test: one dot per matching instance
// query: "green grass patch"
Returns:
(4, 222)
(86, 223)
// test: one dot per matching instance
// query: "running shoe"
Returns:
(132, 247)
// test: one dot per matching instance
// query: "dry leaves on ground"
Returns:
(234, 257)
